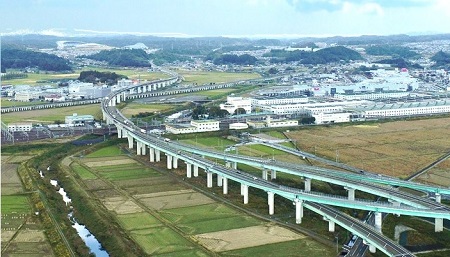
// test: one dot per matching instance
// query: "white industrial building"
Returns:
(404, 109)
(238, 125)
(78, 120)
(124, 83)
(325, 118)
(372, 96)
(25, 127)
(26, 96)
(195, 126)
(286, 109)
(233, 103)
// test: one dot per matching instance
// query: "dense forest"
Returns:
(244, 59)
(389, 50)
(323, 56)
(20, 59)
(442, 60)
(400, 63)
(122, 57)
(109, 78)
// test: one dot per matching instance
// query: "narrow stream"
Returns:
(91, 242)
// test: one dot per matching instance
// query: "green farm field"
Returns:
(49, 116)
(302, 247)
(15, 204)
(136, 108)
(82, 171)
(106, 151)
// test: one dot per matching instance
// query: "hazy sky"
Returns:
(256, 18)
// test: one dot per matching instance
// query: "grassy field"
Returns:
(161, 240)
(397, 148)
(106, 151)
(49, 116)
(204, 77)
(302, 247)
(129, 174)
(34, 78)
(82, 171)
(6, 103)
(136, 108)
(136, 221)
(15, 204)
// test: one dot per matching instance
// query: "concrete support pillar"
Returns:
(113, 101)
(228, 164)
(175, 162)
(264, 174)
(372, 249)
(351, 193)
(219, 180)
(378, 221)
(139, 90)
(437, 196)
(438, 224)
(118, 99)
(138, 148)
(130, 142)
(298, 211)
(271, 202)
(225, 186)
(188, 170)
(119, 132)
(273, 174)
(143, 148)
(242, 189)
(209, 179)
(157, 155)
(169, 161)
(195, 170)
(331, 226)
(152, 154)
(307, 184)
(235, 165)
(245, 189)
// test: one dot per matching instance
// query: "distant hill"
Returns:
(391, 50)
(122, 57)
(20, 59)
(442, 60)
(400, 63)
(323, 56)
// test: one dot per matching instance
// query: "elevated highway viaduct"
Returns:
(404, 204)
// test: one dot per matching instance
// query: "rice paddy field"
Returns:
(21, 231)
(168, 218)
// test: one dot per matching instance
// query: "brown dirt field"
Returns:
(105, 193)
(176, 201)
(30, 236)
(154, 188)
(19, 158)
(144, 181)
(121, 205)
(96, 184)
(246, 237)
(6, 235)
(166, 193)
(109, 163)
(397, 148)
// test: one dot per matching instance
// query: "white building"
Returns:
(324, 118)
(233, 103)
(266, 101)
(195, 126)
(205, 125)
(12, 127)
(371, 96)
(405, 109)
(238, 126)
(79, 120)
(26, 96)
(124, 83)
(286, 109)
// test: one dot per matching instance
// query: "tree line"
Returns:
(20, 59)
